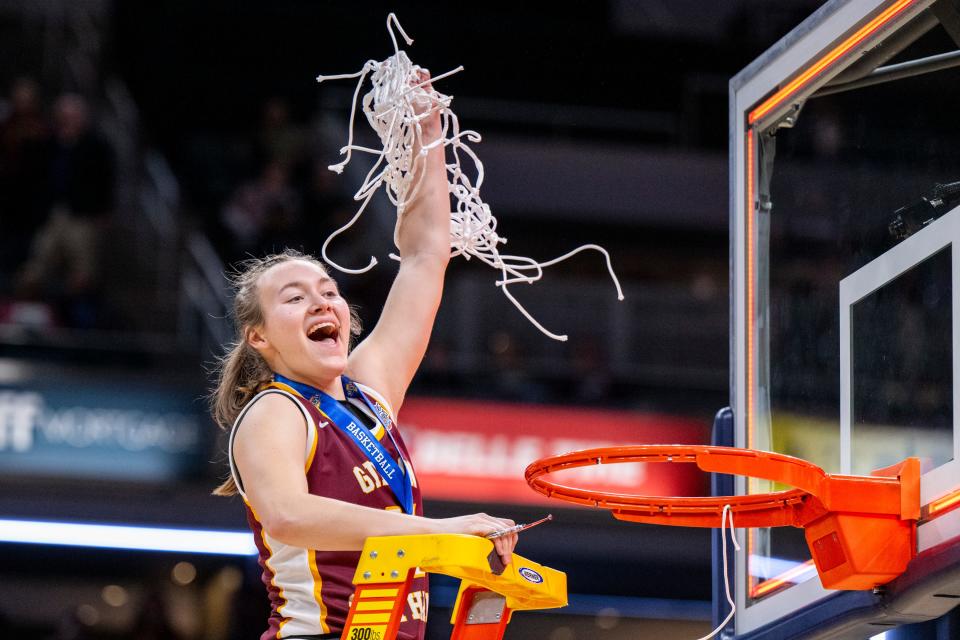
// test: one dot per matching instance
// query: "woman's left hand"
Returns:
(504, 545)
(430, 125)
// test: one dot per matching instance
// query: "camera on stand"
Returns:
(913, 217)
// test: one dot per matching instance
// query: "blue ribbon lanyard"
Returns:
(393, 472)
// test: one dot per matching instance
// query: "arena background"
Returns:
(603, 122)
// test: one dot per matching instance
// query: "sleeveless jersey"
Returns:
(309, 590)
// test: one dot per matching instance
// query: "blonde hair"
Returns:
(242, 371)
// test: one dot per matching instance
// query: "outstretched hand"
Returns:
(480, 524)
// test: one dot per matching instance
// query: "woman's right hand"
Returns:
(480, 524)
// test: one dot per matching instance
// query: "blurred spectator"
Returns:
(591, 368)
(70, 627)
(279, 139)
(248, 607)
(262, 215)
(22, 124)
(322, 198)
(827, 138)
(153, 622)
(22, 130)
(78, 174)
(511, 379)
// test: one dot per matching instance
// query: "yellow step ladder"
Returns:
(489, 592)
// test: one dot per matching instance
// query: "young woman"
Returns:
(314, 446)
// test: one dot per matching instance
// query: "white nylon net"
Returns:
(390, 108)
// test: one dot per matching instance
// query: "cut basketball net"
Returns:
(727, 513)
(395, 106)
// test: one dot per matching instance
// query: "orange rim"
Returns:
(893, 491)
(760, 510)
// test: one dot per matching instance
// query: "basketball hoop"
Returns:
(861, 530)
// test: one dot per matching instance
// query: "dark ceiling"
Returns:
(211, 64)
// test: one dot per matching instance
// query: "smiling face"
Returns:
(306, 324)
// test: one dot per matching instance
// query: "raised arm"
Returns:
(388, 358)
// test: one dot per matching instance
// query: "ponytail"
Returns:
(241, 373)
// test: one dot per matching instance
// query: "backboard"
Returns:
(845, 293)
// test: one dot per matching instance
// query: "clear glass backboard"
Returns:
(845, 204)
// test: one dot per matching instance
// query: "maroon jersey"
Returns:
(309, 590)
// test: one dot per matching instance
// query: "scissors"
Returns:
(518, 528)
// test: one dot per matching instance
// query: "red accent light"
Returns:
(835, 54)
(751, 293)
(942, 505)
(791, 576)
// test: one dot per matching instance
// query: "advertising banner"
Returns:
(71, 426)
(477, 451)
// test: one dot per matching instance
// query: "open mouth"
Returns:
(324, 331)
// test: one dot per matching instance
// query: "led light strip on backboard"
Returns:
(766, 91)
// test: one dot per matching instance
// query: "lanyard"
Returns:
(395, 474)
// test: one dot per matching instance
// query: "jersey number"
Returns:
(368, 477)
